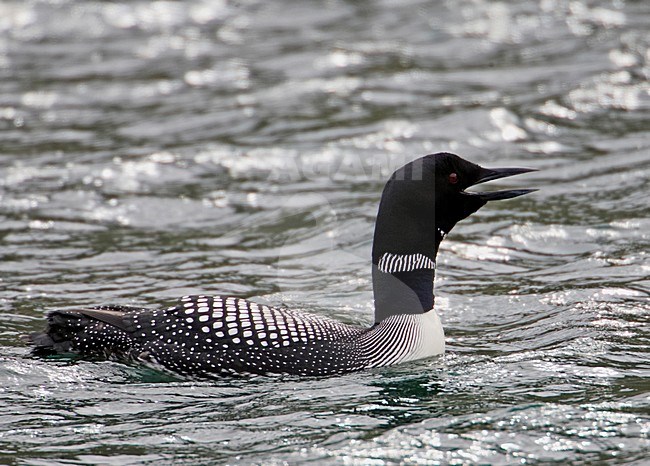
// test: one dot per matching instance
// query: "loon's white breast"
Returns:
(406, 337)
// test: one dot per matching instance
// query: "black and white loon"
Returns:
(210, 336)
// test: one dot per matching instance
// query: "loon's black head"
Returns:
(420, 204)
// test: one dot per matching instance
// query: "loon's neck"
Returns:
(408, 292)
(403, 283)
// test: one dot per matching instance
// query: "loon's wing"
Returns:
(110, 315)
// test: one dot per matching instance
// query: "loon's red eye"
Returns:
(453, 178)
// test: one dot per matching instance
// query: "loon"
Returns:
(212, 336)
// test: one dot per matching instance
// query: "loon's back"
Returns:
(205, 336)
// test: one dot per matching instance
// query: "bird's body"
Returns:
(211, 336)
(216, 335)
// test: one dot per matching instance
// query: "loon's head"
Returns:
(420, 204)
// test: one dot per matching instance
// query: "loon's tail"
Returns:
(72, 331)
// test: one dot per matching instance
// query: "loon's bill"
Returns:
(211, 336)
(490, 174)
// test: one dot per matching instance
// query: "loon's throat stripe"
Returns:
(390, 263)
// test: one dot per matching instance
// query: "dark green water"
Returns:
(154, 149)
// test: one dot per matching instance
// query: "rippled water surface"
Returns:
(154, 149)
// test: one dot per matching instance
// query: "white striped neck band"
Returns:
(390, 263)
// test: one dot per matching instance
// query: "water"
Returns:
(154, 149)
